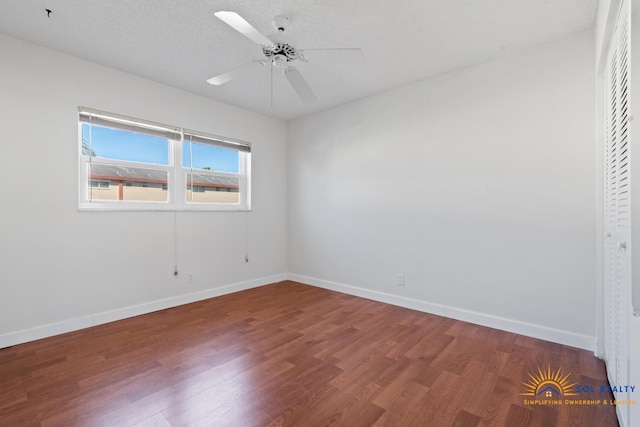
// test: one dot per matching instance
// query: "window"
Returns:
(131, 164)
(215, 171)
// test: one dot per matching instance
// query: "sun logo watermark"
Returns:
(555, 388)
(549, 384)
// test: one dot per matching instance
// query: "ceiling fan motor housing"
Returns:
(283, 50)
(282, 47)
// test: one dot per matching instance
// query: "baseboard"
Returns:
(535, 331)
(51, 329)
(522, 328)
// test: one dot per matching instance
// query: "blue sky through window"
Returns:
(122, 145)
(207, 156)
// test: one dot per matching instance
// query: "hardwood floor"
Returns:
(295, 355)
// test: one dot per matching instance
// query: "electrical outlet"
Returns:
(400, 279)
(191, 278)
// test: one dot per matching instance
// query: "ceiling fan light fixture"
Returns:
(279, 61)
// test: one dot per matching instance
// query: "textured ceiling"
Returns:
(182, 43)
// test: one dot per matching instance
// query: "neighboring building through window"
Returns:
(127, 163)
(100, 184)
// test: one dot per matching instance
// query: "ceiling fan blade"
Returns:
(231, 74)
(299, 84)
(239, 24)
(347, 56)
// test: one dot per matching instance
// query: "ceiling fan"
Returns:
(281, 54)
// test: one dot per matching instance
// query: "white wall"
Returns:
(63, 269)
(478, 185)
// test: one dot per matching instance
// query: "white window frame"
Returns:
(176, 173)
(243, 175)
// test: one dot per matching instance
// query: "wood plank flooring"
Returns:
(289, 354)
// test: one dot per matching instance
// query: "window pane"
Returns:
(209, 188)
(209, 157)
(110, 182)
(122, 145)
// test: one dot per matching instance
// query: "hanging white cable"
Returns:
(191, 165)
(89, 166)
(246, 236)
(174, 187)
(175, 243)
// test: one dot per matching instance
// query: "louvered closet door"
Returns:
(617, 249)
(610, 212)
